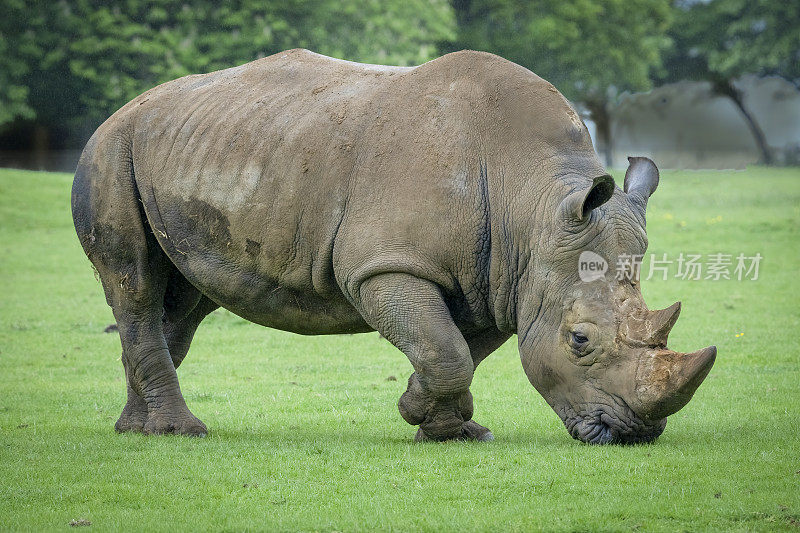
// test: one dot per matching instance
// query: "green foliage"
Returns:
(724, 39)
(376, 31)
(77, 61)
(305, 433)
(13, 66)
(583, 47)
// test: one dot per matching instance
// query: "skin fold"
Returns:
(443, 205)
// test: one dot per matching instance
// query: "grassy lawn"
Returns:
(305, 433)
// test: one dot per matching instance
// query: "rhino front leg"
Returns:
(411, 313)
(480, 344)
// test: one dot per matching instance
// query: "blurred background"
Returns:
(690, 83)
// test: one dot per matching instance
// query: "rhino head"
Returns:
(593, 349)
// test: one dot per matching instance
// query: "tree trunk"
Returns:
(41, 145)
(724, 87)
(598, 109)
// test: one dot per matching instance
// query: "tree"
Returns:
(720, 40)
(589, 49)
(13, 67)
(396, 32)
(68, 65)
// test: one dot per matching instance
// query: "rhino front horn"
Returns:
(669, 379)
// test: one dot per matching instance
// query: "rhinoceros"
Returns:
(445, 205)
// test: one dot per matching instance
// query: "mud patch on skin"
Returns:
(202, 217)
(190, 226)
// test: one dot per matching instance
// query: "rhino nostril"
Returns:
(591, 431)
(606, 436)
(595, 430)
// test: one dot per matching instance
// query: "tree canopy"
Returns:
(66, 65)
(720, 40)
(71, 64)
(728, 38)
(583, 47)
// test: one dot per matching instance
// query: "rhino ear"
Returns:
(580, 204)
(641, 179)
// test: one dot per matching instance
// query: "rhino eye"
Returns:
(578, 340)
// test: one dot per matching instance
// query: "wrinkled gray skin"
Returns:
(444, 206)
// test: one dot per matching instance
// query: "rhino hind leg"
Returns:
(178, 332)
(135, 274)
(134, 414)
(151, 374)
(411, 313)
(156, 339)
(152, 382)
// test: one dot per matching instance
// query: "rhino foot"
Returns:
(131, 422)
(134, 415)
(182, 422)
(470, 430)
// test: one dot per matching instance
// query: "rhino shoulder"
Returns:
(483, 69)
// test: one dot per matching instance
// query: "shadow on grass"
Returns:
(301, 438)
(542, 434)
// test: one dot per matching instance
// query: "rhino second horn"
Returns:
(661, 323)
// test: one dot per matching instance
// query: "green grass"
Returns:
(305, 433)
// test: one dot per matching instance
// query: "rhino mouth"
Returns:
(614, 423)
